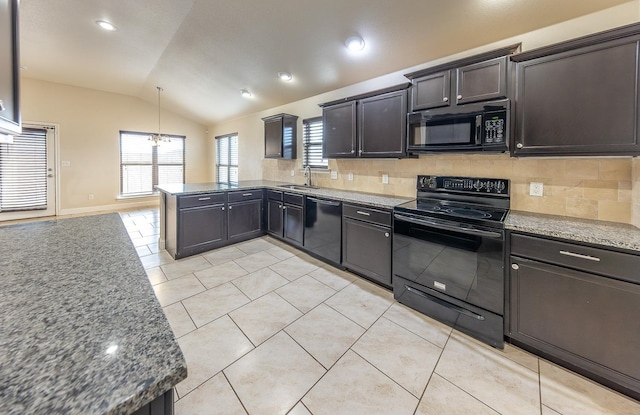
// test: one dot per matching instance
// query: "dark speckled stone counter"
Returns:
(608, 234)
(81, 331)
(371, 199)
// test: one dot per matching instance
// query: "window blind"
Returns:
(23, 171)
(312, 143)
(227, 158)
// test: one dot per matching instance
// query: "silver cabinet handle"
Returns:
(459, 97)
(386, 234)
(581, 256)
(445, 99)
(230, 207)
(204, 198)
(359, 212)
(519, 145)
(222, 207)
(1, 106)
(353, 151)
(284, 207)
(515, 266)
(247, 194)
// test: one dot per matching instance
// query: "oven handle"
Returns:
(444, 303)
(443, 225)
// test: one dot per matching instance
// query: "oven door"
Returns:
(459, 260)
(452, 132)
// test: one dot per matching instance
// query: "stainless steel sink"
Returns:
(297, 187)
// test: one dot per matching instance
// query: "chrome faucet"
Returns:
(307, 176)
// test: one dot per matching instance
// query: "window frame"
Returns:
(154, 162)
(228, 165)
(307, 143)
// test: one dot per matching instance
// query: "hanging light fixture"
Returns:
(158, 138)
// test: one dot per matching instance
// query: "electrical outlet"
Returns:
(385, 179)
(293, 172)
(536, 189)
(90, 196)
(334, 175)
(66, 163)
(350, 176)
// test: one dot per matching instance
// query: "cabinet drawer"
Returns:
(584, 258)
(200, 200)
(381, 217)
(274, 195)
(245, 195)
(293, 199)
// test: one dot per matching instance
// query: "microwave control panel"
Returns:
(495, 127)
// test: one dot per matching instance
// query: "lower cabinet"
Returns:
(244, 218)
(285, 216)
(201, 224)
(294, 223)
(275, 224)
(581, 319)
(366, 242)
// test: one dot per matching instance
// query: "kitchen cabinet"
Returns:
(368, 125)
(579, 97)
(280, 136)
(577, 305)
(285, 216)
(244, 215)
(366, 242)
(202, 224)
(10, 118)
(482, 77)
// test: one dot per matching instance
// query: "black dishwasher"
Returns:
(322, 228)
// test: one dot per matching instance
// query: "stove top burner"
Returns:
(454, 210)
(470, 213)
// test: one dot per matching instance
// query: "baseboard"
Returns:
(103, 208)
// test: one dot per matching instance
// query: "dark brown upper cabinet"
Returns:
(280, 136)
(579, 97)
(478, 78)
(10, 119)
(368, 125)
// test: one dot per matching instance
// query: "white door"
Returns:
(27, 174)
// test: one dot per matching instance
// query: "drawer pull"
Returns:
(204, 198)
(359, 212)
(573, 254)
(247, 194)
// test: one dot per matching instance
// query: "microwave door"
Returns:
(445, 133)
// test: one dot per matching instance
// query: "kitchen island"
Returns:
(81, 331)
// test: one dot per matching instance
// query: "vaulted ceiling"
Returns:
(203, 52)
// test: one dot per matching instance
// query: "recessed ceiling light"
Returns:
(245, 93)
(285, 76)
(106, 25)
(355, 43)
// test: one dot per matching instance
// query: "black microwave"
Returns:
(472, 127)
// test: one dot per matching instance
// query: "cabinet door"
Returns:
(244, 219)
(579, 102)
(200, 228)
(293, 223)
(431, 91)
(339, 130)
(274, 217)
(366, 248)
(273, 137)
(482, 81)
(580, 318)
(382, 125)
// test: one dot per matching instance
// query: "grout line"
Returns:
(234, 391)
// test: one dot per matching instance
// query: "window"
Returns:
(144, 166)
(312, 143)
(227, 158)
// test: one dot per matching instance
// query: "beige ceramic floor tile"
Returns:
(325, 333)
(293, 268)
(155, 260)
(570, 394)
(548, 411)
(264, 317)
(259, 283)
(305, 293)
(280, 253)
(254, 262)
(175, 290)
(442, 397)
(404, 357)
(214, 397)
(145, 240)
(332, 277)
(143, 250)
(210, 349)
(299, 409)
(156, 276)
(360, 304)
(213, 303)
(272, 378)
(355, 387)
(492, 378)
(254, 245)
(184, 267)
(220, 274)
(222, 255)
(179, 319)
(419, 324)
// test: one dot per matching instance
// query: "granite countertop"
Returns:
(608, 234)
(81, 330)
(371, 199)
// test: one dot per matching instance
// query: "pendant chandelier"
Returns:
(158, 138)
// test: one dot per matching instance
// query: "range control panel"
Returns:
(463, 184)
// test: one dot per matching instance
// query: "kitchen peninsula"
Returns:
(81, 330)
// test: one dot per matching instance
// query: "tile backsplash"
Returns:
(593, 188)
